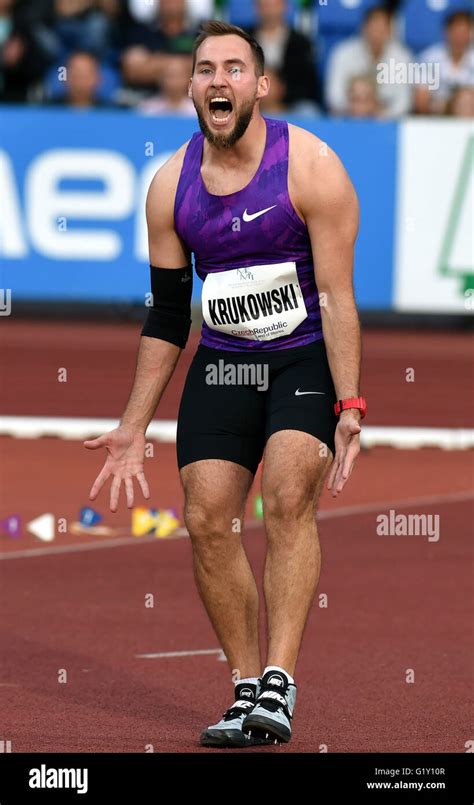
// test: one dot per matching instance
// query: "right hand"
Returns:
(126, 455)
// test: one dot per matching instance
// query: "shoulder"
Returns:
(298, 40)
(347, 48)
(309, 156)
(433, 53)
(316, 174)
(398, 51)
(170, 171)
(162, 190)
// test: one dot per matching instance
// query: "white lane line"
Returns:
(327, 514)
(87, 546)
(161, 654)
(164, 430)
(34, 427)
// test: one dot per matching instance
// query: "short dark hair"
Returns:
(454, 16)
(218, 28)
(381, 8)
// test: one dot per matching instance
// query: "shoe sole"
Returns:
(230, 738)
(260, 725)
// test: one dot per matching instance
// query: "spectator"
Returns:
(287, 51)
(169, 32)
(362, 97)
(145, 10)
(82, 82)
(173, 98)
(361, 55)
(461, 103)
(83, 25)
(274, 102)
(454, 59)
(25, 49)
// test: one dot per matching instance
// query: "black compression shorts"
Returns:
(234, 401)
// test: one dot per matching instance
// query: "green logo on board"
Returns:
(457, 252)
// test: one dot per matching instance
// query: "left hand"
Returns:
(347, 442)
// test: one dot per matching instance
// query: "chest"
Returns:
(226, 182)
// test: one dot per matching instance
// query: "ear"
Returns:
(190, 88)
(263, 87)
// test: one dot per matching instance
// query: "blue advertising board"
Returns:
(73, 187)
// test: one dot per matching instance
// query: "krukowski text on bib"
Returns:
(258, 302)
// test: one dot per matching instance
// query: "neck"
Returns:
(376, 51)
(244, 149)
(81, 101)
(172, 26)
(272, 27)
(456, 54)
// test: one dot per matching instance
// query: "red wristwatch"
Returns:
(351, 402)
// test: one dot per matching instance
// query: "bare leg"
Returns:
(293, 477)
(216, 492)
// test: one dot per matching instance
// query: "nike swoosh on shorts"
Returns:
(299, 393)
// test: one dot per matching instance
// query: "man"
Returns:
(362, 55)
(83, 80)
(172, 97)
(268, 211)
(288, 51)
(454, 61)
(146, 45)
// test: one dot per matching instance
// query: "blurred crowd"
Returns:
(137, 54)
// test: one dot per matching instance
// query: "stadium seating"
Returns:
(421, 21)
(337, 20)
(242, 12)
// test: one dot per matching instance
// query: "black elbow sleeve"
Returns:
(169, 316)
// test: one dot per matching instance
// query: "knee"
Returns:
(209, 527)
(286, 505)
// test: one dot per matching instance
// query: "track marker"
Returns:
(88, 516)
(97, 530)
(42, 527)
(11, 525)
(163, 654)
(326, 514)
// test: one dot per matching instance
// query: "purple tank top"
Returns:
(253, 252)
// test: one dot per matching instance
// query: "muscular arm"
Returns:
(324, 197)
(328, 202)
(157, 359)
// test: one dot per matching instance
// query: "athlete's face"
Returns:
(225, 88)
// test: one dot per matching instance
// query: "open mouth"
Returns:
(220, 109)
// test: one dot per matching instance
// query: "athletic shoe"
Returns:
(271, 717)
(228, 731)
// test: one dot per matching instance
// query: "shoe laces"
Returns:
(272, 696)
(239, 708)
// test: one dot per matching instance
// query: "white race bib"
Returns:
(259, 302)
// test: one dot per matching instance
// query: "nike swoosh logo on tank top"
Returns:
(251, 216)
(259, 288)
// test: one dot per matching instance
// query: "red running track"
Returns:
(100, 361)
(394, 603)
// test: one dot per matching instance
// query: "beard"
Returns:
(227, 140)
